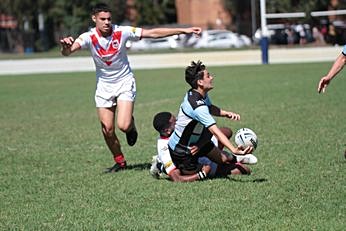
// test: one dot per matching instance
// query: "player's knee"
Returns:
(124, 126)
(107, 131)
(227, 132)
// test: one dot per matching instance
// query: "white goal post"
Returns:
(327, 13)
(286, 15)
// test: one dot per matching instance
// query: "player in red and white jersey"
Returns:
(116, 86)
(110, 53)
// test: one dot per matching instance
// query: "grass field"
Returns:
(52, 155)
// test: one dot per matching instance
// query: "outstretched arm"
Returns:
(334, 70)
(164, 32)
(216, 111)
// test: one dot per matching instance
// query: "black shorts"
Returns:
(187, 163)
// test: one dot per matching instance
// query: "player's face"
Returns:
(171, 125)
(207, 80)
(172, 121)
(103, 22)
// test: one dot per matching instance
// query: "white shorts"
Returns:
(107, 94)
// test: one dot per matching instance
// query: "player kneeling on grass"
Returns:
(164, 123)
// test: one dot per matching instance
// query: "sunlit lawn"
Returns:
(52, 155)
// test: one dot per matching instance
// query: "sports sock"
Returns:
(119, 159)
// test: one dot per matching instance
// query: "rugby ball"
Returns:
(246, 137)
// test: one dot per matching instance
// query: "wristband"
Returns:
(201, 175)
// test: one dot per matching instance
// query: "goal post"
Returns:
(264, 42)
(286, 15)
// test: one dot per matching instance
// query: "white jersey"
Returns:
(163, 155)
(110, 53)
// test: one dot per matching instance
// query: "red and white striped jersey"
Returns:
(110, 53)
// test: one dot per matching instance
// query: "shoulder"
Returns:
(85, 37)
(195, 99)
(130, 29)
(162, 142)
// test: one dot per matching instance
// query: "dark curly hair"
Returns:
(100, 7)
(194, 72)
(161, 121)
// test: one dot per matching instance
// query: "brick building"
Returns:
(204, 13)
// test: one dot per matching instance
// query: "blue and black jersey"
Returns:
(192, 124)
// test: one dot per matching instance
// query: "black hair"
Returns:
(161, 121)
(194, 72)
(100, 7)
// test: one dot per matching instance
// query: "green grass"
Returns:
(52, 155)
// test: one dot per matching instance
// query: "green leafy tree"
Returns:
(65, 17)
(156, 12)
(61, 18)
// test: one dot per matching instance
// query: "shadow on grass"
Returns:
(244, 180)
(140, 167)
(136, 167)
(146, 166)
(260, 180)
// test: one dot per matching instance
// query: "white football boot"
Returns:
(154, 170)
(247, 159)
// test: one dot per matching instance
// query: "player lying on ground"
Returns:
(164, 123)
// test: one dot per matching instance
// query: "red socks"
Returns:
(119, 159)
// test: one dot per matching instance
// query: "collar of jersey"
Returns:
(164, 137)
(100, 34)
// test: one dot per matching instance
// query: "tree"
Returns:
(61, 18)
(156, 12)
